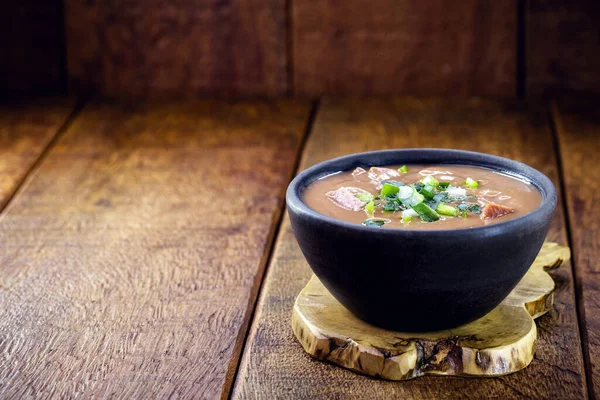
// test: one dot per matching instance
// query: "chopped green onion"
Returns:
(427, 194)
(416, 198)
(369, 207)
(406, 219)
(471, 183)
(425, 212)
(440, 197)
(430, 180)
(364, 197)
(437, 198)
(475, 209)
(389, 190)
(409, 213)
(462, 206)
(405, 192)
(392, 205)
(413, 199)
(443, 185)
(446, 210)
(395, 183)
(403, 169)
(374, 222)
(471, 197)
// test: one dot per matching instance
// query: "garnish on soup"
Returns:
(422, 197)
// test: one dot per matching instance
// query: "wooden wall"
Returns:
(563, 50)
(31, 48)
(272, 48)
(435, 47)
(146, 47)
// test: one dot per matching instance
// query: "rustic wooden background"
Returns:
(271, 48)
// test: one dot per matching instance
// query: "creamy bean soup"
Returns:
(422, 196)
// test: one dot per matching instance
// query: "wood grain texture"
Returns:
(26, 128)
(404, 47)
(578, 130)
(163, 48)
(130, 260)
(274, 364)
(31, 48)
(563, 46)
(502, 342)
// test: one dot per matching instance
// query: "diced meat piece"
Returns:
(358, 171)
(381, 174)
(492, 210)
(378, 175)
(345, 197)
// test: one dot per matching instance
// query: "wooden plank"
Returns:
(131, 259)
(26, 128)
(157, 48)
(275, 366)
(563, 46)
(32, 48)
(408, 47)
(578, 130)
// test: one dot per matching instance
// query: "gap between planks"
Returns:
(28, 175)
(555, 123)
(259, 279)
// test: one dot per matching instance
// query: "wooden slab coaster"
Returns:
(499, 343)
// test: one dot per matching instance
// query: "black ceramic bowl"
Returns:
(419, 280)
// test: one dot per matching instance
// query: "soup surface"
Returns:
(422, 196)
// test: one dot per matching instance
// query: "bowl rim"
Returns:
(504, 165)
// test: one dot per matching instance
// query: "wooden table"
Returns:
(144, 253)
